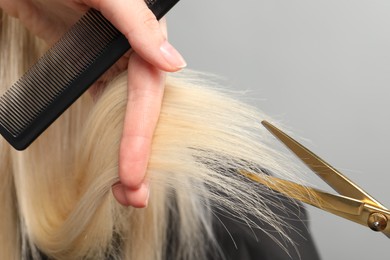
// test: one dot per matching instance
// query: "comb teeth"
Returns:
(55, 71)
(63, 74)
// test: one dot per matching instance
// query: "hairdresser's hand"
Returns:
(49, 19)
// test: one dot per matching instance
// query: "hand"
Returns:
(49, 19)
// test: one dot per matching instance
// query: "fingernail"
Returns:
(172, 56)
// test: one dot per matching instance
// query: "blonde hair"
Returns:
(56, 195)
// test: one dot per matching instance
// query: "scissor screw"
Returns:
(377, 222)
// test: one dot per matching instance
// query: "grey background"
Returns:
(322, 68)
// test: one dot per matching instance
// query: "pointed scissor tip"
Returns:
(266, 124)
(271, 128)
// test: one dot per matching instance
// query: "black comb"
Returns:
(63, 74)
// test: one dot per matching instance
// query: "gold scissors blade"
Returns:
(339, 205)
(353, 204)
(347, 208)
(325, 171)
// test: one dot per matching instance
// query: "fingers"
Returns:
(135, 20)
(146, 88)
(138, 199)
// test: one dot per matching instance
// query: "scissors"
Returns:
(353, 203)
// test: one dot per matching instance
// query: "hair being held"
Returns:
(57, 193)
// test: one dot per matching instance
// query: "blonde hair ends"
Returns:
(56, 195)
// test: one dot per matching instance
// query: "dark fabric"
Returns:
(240, 242)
